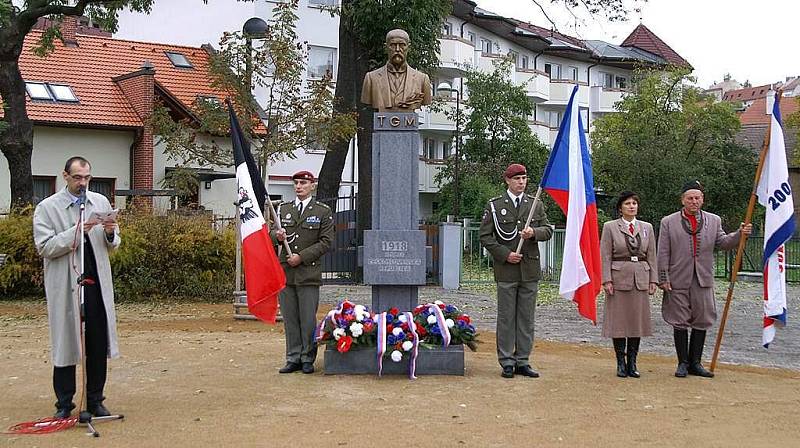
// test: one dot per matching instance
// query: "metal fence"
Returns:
(477, 263)
(752, 264)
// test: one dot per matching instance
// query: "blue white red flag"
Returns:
(263, 275)
(568, 180)
(775, 193)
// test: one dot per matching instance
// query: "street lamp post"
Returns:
(254, 28)
(445, 86)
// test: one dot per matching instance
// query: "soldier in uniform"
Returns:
(307, 225)
(686, 243)
(516, 274)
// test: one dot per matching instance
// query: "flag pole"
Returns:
(742, 241)
(276, 220)
(530, 217)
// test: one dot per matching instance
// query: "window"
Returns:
(179, 60)
(606, 80)
(422, 148)
(430, 151)
(210, 100)
(320, 61)
(553, 118)
(572, 72)
(514, 56)
(447, 149)
(104, 186)
(447, 29)
(38, 91)
(63, 93)
(43, 187)
(621, 82)
(472, 38)
(486, 46)
(523, 63)
(321, 2)
(554, 70)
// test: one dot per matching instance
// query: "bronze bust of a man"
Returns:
(396, 87)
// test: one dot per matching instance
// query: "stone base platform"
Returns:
(363, 361)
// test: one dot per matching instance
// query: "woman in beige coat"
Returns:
(628, 251)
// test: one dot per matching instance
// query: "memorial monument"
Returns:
(394, 252)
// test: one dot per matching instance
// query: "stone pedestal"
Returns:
(394, 252)
(364, 361)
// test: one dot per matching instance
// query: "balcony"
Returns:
(486, 63)
(542, 131)
(604, 98)
(455, 55)
(537, 84)
(561, 89)
(430, 120)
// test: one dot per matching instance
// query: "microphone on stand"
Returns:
(82, 197)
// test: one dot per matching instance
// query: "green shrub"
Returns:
(178, 257)
(173, 256)
(21, 275)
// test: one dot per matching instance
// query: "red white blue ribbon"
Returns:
(380, 322)
(330, 317)
(441, 322)
(412, 366)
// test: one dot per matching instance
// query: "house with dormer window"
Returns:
(94, 96)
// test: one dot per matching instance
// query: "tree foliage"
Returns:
(666, 133)
(495, 133)
(793, 124)
(297, 115)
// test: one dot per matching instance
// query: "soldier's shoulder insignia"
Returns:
(495, 198)
(323, 205)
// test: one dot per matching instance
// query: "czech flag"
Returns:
(263, 275)
(568, 180)
(775, 194)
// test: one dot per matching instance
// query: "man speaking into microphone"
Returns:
(58, 241)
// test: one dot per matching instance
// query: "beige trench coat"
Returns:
(54, 234)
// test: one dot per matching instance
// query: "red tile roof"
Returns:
(757, 112)
(90, 68)
(747, 94)
(642, 37)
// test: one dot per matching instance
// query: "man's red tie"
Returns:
(630, 227)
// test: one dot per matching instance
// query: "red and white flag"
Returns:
(263, 275)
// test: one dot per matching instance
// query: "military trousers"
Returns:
(299, 311)
(516, 308)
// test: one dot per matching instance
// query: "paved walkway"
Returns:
(559, 321)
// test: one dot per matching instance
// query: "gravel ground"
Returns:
(558, 320)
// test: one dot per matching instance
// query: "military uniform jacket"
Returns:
(499, 234)
(676, 261)
(310, 235)
(618, 243)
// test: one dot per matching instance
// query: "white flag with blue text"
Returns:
(775, 193)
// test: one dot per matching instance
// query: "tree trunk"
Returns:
(16, 142)
(348, 86)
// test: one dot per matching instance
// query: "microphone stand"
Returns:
(85, 417)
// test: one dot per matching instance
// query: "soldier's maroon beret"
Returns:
(515, 169)
(305, 175)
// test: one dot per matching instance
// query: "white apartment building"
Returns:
(549, 64)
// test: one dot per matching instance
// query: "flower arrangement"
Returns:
(397, 334)
(400, 338)
(459, 325)
(347, 325)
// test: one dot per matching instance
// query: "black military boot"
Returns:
(619, 350)
(696, 354)
(633, 350)
(681, 337)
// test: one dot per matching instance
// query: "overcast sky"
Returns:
(751, 40)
